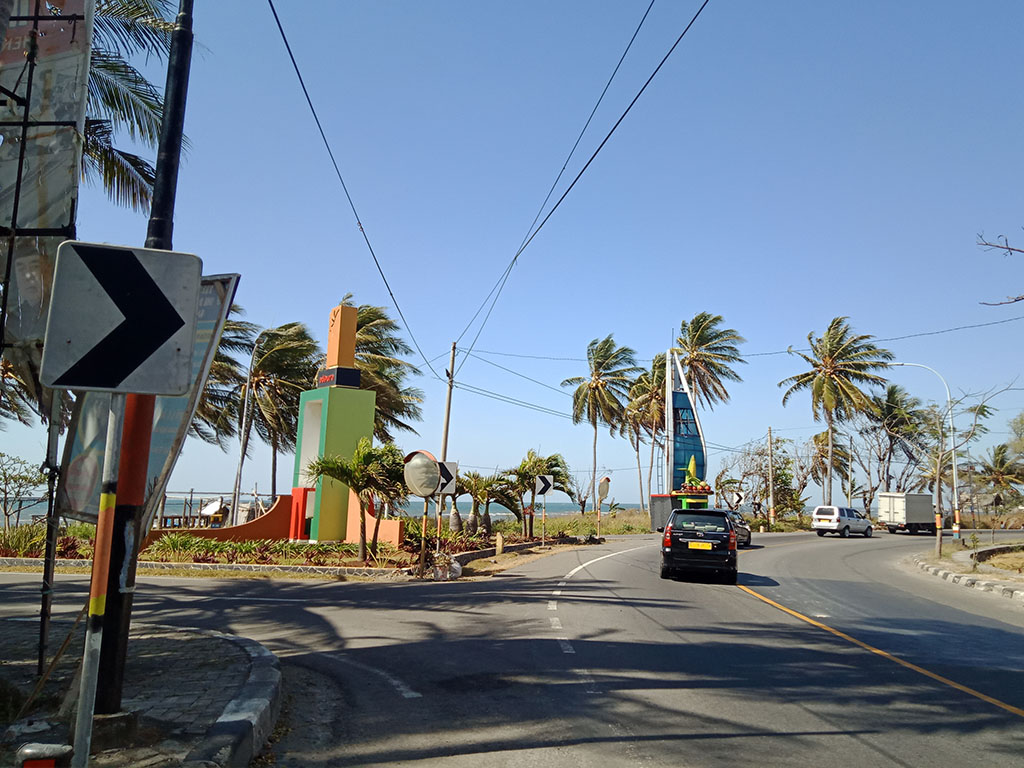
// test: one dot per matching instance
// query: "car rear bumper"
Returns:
(711, 561)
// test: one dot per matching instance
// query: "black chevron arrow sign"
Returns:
(113, 312)
(544, 484)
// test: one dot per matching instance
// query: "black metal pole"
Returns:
(138, 419)
(52, 526)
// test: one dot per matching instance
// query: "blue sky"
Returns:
(791, 162)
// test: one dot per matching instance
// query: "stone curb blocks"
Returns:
(243, 728)
(965, 580)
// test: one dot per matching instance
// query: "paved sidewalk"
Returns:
(201, 697)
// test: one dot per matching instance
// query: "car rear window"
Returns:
(694, 521)
(826, 512)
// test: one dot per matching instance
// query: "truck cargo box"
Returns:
(909, 512)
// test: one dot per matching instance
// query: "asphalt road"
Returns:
(828, 653)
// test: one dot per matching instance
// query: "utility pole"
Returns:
(450, 372)
(849, 477)
(138, 418)
(771, 481)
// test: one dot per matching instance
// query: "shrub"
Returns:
(23, 540)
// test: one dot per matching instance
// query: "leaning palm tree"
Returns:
(284, 365)
(600, 397)
(378, 357)
(371, 472)
(898, 416)
(647, 401)
(840, 363)
(217, 415)
(707, 353)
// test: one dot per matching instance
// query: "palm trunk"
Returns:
(640, 475)
(486, 521)
(650, 469)
(828, 466)
(361, 556)
(273, 468)
(593, 475)
(376, 531)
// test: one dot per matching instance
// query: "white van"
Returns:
(841, 520)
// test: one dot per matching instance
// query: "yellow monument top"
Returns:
(341, 338)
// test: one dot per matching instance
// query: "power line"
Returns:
(501, 280)
(510, 400)
(537, 229)
(515, 373)
(344, 187)
(765, 354)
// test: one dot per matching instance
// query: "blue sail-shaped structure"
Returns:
(682, 424)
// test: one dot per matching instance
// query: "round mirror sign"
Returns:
(422, 474)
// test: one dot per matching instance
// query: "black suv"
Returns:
(699, 540)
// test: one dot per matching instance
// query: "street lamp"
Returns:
(952, 450)
(241, 433)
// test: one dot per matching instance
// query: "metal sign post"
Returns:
(544, 483)
(98, 586)
(422, 476)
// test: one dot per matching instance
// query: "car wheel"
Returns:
(821, 533)
(892, 530)
(868, 532)
(730, 577)
(845, 533)
(666, 572)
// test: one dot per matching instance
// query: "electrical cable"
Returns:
(537, 229)
(516, 373)
(765, 354)
(344, 187)
(501, 280)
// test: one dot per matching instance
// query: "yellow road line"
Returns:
(920, 670)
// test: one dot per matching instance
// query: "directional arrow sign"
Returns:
(544, 484)
(121, 320)
(449, 469)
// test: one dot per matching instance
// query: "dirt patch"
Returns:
(1008, 561)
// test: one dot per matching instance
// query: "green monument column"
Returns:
(332, 419)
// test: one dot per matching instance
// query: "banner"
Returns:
(50, 96)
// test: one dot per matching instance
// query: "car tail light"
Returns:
(667, 541)
(732, 539)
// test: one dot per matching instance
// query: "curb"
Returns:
(247, 721)
(971, 581)
(153, 565)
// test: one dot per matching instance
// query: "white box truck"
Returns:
(910, 512)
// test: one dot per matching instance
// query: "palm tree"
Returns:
(1002, 471)
(899, 416)
(217, 413)
(14, 398)
(633, 430)
(599, 398)
(370, 472)
(707, 352)
(522, 480)
(378, 346)
(121, 98)
(284, 365)
(841, 362)
(473, 482)
(647, 401)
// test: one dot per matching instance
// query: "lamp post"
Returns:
(241, 432)
(952, 452)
